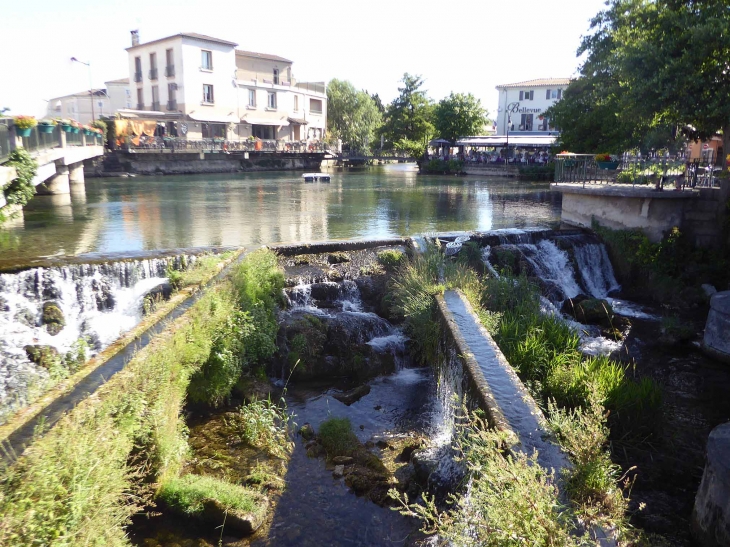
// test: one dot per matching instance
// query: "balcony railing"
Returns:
(140, 106)
(153, 74)
(174, 144)
(155, 105)
(170, 71)
(137, 77)
(172, 105)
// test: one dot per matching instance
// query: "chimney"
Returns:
(135, 37)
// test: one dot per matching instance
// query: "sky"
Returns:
(467, 46)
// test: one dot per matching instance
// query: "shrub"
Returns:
(391, 258)
(337, 437)
(21, 189)
(263, 424)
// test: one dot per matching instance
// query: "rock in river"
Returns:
(352, 396)
(53, 318)
(41, 355)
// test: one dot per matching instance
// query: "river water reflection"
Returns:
(126, 216)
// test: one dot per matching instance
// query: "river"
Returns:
(118, 217)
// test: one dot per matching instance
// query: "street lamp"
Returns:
(91, 87)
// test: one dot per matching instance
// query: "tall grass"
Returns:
(80, 482)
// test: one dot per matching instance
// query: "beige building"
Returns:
(78, 106)
(201, 87)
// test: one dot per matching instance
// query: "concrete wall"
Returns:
(698, 213)
(120, 163)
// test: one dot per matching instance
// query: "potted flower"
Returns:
(604, 161)
(66, 125)
(46, 126)
(75, 126)
(87, 130)
(23, 125)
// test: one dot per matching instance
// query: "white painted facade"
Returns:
(215, 100)
(523, 105)
(78, 106)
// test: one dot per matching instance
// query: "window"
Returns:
(140, 99)
(155, 97)
(138, 69)
(206, 62)
(172, 96)
(169, 63)
(214, 130)
(252, 98)
(527, 95)
(560, 93)
(315, 105)
(551, 94)
(526, 122)
(208, 94)
(272, 100)
(276, 76)
(296, 103)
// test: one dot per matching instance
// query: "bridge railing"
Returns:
(38, 141)
(4, 143)
(635, 170)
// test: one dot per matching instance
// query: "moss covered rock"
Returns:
(41, 355)
(53, 318)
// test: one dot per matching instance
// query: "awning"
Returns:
(436, 142)
(203, 117)
(298, 121)
(261, 120)
(129, 113)
(513, 140)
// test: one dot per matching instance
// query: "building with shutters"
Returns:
(522, 104)
(201, 87)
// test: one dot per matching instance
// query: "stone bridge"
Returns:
(60, 158)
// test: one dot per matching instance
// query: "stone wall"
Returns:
(118, 163)
(700, 212)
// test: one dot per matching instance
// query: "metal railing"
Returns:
(41, 141)
(137, 77)
(155, 105)
(311, 86)
(225, 146)
(170, 71)
(634, 170)
(171, 105)
(153, 74)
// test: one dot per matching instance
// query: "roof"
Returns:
(97, 93)
(194, 35)
(119, 81)
(539, 82)
(266, 56)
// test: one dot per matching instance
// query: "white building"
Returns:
(203, 87)
(77, 106)
(522, 104)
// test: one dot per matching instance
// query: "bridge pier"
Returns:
(57, 184)
(76, 173)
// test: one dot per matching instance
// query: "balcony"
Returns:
(172, 105)
(137, 77)
(140, 106)
(156, 105)
(170, 71)
(153, 74)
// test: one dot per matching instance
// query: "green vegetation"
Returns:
(408, 123)
(188, 495)
(538, 172)
(352, 115)
(459, 115)
(337, 437)
(20, 190)
(512, 500)
(670, 271)
(436, 165)
(390, 259)
(263, 424)
(80, 482)
(628, 95)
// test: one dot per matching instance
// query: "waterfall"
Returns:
(98, 302)
(552, 265)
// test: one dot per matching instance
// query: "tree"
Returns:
(459, 115)
(408, 119)
(352, 115)
(652, 66)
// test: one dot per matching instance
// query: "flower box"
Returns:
(607, 164)
(45, 128)
(22, 131)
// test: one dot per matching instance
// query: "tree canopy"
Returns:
(408, 119)
(655, 69)
(459, 115)
(352, 115)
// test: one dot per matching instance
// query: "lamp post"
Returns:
(509, 121)
(91, 87)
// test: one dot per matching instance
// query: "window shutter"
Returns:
(560, 93)
(532, 95)
(547, 94)
(522, 95)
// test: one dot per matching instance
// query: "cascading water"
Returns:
(97, 303)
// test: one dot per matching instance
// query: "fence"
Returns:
(4, 143)
(175, 144)
(635, 170)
